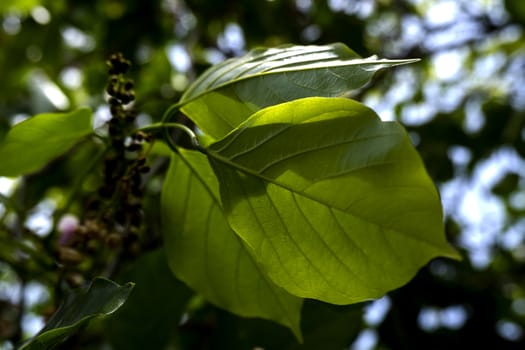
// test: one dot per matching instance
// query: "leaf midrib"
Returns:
(208, 189)
(238, 62)
(248, 171)
(185, 101)
(219, 205)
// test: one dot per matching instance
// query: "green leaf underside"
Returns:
(31, 144)
(102, 298)
(333, 202)
(158, 297)
(228, 93)
(206, 254)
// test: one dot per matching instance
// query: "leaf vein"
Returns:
(303, 152)
(254, 214)
(297, 245)
(325, 244)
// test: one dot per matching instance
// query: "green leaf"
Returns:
(158, 297)
(329, 326)
(101, 299)
(206, 254)
(333, 202)
(17, 6)
(324, 326)
(34, 142)
(228, 93)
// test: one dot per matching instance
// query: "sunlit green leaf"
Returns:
(18, 6)
(34, 142)
(226, 94)
(334, 203)
(205, 253)
(101, 299)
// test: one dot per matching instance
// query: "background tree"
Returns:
(463, 105)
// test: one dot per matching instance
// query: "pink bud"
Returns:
(67, 227)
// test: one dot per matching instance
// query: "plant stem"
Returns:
(165, 121)
(187, 130)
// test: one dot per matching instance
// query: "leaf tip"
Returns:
(296, 330)
(453, 253)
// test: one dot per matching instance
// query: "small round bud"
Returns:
(92, 246)
(70, 256)
(134, 249)
(75, 279)
(113, 240)
(129, 85)
(67, 227)
(139, 136)
(134, 147)
(113, 101)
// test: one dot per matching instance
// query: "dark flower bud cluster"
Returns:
(119, 88)
(114, 215)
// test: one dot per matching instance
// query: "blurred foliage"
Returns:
(463, 105)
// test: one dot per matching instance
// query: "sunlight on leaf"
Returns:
(206, 254)
(228, 93)
(334, 203)
(18, 6)
(33, 143)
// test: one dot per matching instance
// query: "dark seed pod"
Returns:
(69, 256)
(113, 101)
(139, 136)
(75, 279)
(134, 147)
(118, 64)
(116, 111)
(93, 246)
(113, 240)
(112, 90)
(134, 249)
(130, 117)
(126, 96)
